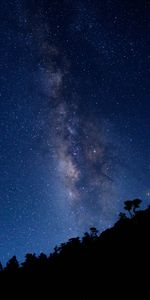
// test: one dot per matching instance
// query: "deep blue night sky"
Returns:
(74, 118)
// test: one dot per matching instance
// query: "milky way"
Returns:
(89, 160)
(84, 150)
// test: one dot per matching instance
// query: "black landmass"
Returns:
(113, 264)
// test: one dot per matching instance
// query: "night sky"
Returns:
(74, 118)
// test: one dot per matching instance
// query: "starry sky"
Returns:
(74, 118)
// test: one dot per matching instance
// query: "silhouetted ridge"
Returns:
(82, 268)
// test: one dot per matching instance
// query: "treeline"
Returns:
(83, 266)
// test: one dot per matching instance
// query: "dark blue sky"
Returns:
(74, 118)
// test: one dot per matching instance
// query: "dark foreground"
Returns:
(115, 264)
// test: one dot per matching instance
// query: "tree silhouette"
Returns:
(93, 232)
(12, 265)
(1, 267)
(42, 258)
(132, 205)
(86, 239)
(128, 205)
(136, 204)
(122, 216)
(42, 262)
(30, 262)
